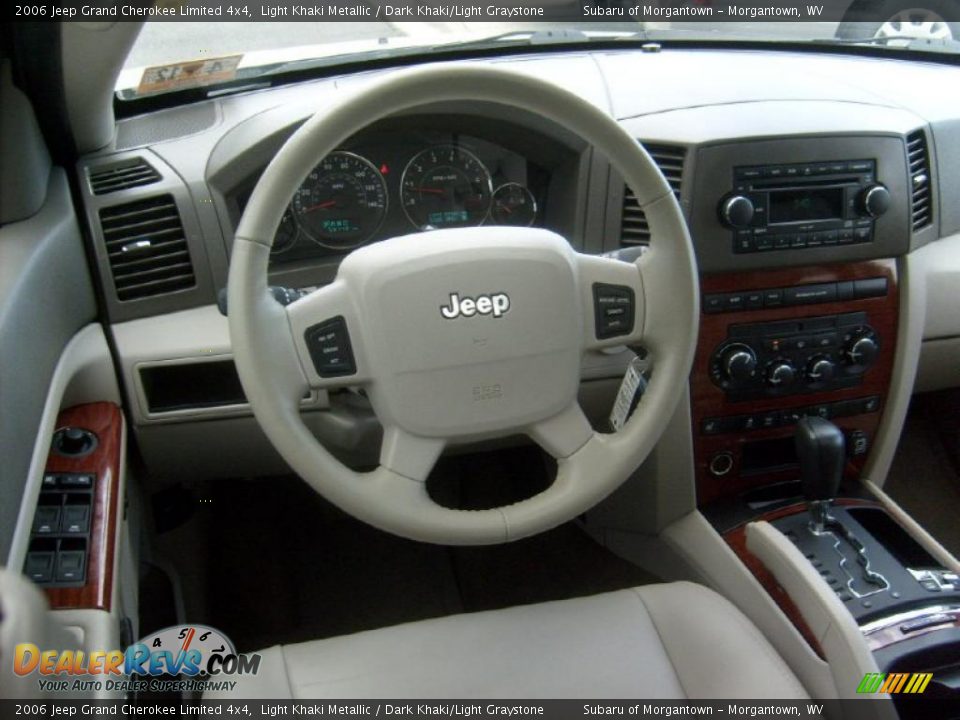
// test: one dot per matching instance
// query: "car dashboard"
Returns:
(819, 191)
(800, 188)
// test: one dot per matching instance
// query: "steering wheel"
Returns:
(463, 334)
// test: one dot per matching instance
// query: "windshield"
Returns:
(171, 55)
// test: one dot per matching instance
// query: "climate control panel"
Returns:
(788, 357)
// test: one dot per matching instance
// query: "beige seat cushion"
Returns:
(676, 640)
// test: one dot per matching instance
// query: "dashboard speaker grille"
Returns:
(918, 157)
(634, 229)
(133, 173)
(147, 248)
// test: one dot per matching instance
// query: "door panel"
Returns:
(46, 294)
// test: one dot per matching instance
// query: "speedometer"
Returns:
(445, 186)
(342, 202)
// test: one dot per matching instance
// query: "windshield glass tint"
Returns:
(169, 56)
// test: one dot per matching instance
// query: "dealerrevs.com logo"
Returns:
(178, 658)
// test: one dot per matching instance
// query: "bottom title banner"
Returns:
(867, 709)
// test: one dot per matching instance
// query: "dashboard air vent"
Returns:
(633, 227)
(147, 248)
(120, 176)
(921, 207)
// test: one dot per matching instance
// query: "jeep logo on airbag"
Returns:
(495, 305)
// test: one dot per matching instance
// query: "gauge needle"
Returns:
(435, 191)
(187, 640)
(321, 206)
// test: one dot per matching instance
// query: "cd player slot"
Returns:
(803, 183)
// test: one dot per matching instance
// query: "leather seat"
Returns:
(676, 640)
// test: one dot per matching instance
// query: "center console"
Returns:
(778, 345)
(797, 240)
(778, 350)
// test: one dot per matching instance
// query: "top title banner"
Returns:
(657, 11)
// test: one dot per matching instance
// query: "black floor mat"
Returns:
(288, 567)
(555, 565)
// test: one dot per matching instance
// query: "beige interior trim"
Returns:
(24, 618)
(695, 545)
(832, 624)
(939, 369)
(90, 71)
(911, 281)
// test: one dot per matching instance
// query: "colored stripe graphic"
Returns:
(919, 683)
(913, 683)
(871, 682)
(891, 682)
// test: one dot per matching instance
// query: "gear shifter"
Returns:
(820, 450)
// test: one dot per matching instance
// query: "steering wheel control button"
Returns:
(329, 346)
(613, 309)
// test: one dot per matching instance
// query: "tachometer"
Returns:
(286, 234)
(342, 202)
(445, 186)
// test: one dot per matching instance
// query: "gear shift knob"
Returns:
(820, 450)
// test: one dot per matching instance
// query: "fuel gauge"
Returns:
(513, 204)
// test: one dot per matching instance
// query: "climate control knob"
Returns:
(861, 351)
(874, 201)
(820, 369)
(739, 362)
(736, 211)
(780, 374)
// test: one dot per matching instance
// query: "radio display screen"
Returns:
(804, 205)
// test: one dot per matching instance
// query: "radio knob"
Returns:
(780, 374)
(820, 369)
(736, 211)
(862, 351)
(875, 200)
(739, 362)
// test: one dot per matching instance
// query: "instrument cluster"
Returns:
(380, 189)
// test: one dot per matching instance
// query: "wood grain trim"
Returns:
(709, 401)
(106, 421)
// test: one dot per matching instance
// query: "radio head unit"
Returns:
(780, 207)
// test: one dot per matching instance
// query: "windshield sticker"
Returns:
(191, 74)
